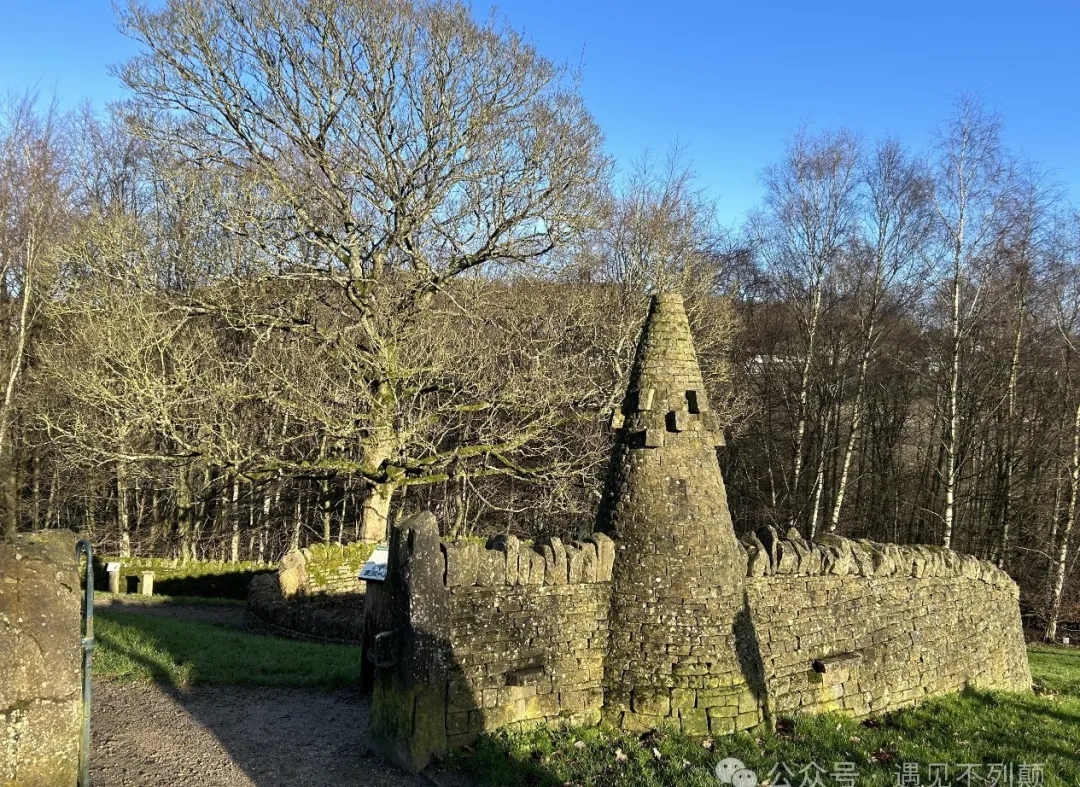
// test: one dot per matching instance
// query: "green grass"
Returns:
(974, 727)
(183, 653)
(1056, 670)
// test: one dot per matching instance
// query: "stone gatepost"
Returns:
(40, 660)
(679, 572)
(412, 661)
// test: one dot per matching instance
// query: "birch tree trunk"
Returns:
(234, 519)
(1057, 580)
(853, 433)
(1010, 437)
(952, 411)
(123, 512)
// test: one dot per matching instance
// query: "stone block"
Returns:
(40, 659)
(292, 575)
(683, 698)
(461, 563)
(491, 567)
(694, 721)
(642, 401)
(638, 722)
(510, 546)
(575, 565)
(651, 701)
(745, 721)
(605, 556)
(652, 438)
(537, 567)
(721, 725)
(527, 676)
(678, 421)
(588, 560)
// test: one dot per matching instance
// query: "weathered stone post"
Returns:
(679, 572)
(146, 585)
(408, 703)
(40, 661)
(114, 579)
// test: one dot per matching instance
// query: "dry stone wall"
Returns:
(663, 618)
(528, 633)
(486, 637)
(862, 628)
(315, 595)
(313, 620)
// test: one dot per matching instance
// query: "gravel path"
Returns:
(234, 736)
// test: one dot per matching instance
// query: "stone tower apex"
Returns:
(666, 394)
(664, 481)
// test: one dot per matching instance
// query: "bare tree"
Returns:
(33, 203)
(894, 223)
(809, 222)
(381, 149)
(969, 177)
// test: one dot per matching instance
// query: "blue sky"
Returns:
(729, 81)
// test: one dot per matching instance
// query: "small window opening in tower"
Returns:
(692, 402)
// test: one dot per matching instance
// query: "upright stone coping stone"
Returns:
(679, 572)
(408, 704)
(40, 661)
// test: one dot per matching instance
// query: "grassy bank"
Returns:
(984, 729)
(182, 653)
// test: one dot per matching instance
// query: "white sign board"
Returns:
(375, 569)
(110, 567)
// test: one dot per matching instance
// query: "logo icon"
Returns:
(732, 771)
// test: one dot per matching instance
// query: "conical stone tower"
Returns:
(679, 572)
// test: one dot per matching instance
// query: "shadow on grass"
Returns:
(167, 650)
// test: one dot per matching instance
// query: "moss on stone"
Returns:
(407, 726)
(327, 560)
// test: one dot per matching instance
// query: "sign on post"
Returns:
(375, 568)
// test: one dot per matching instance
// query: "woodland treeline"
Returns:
(328, 262)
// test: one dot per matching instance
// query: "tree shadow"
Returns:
(274, 734)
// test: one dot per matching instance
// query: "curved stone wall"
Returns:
(862, 627)
(334, 620)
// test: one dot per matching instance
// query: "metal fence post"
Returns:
(81, 548)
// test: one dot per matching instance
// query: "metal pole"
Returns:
(81, 548)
